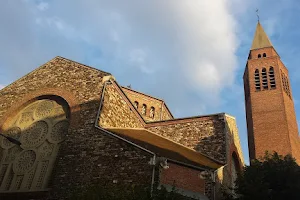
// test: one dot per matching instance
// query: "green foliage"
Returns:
(126, 192)
(275, 177)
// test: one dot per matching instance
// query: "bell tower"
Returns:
(270, 112)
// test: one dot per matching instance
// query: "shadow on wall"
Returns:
(41, 126)
(63, 150)
(214, 143)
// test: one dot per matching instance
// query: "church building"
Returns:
(77, 127)
(270, 111)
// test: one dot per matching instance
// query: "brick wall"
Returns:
(270, 113)
(87, 156)
(291, 117)
(182, 177)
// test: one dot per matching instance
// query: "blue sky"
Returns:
(191, 53)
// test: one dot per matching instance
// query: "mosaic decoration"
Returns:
(40, 127)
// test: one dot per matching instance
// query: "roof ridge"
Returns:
(88, 66)
(34, 70)
(185, 118)
(130, 103)
(142, 93)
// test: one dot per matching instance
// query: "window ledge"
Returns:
(25, 194)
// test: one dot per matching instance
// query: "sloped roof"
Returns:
(53, 60)
(165, 147)
(261, 39)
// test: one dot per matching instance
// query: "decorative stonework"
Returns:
(40, 127)
(46, 150)
(80, 86)
(58, 131)
(14, 132)
(35, 134)
(24, 161)
(44, 109)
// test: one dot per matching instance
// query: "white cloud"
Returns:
(1, 86)
(188, 45)
(42, 6)
(138, 57)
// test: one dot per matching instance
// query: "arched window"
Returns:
(152, 112)
(41, 127)
(136, 104)
(288, 87)
(235, 168)
(257, 80)
(259, 56)
(249, 56)
(264, 55)
(144, 109)
(264, 78)
(272, 78)
(283, 82)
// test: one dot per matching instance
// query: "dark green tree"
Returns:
(274, 177)
(126, 192)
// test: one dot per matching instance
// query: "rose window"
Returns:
(41, 127)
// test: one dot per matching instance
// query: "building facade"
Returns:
(79, 128)
(270, 112)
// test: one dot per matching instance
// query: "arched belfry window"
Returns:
(249, 56)
(259, 56)
(257, 80)
(144, 109)
(136, 104)
(152, 112)
(264, 55)
(288, 86)
(264, 78)
(272, 78)
(285, 84)
(41, 128)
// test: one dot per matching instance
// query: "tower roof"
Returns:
(261, 39)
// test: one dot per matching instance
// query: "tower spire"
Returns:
(261, 40)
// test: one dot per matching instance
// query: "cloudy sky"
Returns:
(191, 53)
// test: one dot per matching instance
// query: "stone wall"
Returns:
(204, 134)
(233, 139)
(115, 111)
(166, 115)
(88, 155)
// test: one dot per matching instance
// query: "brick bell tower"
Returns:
(270, 112)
